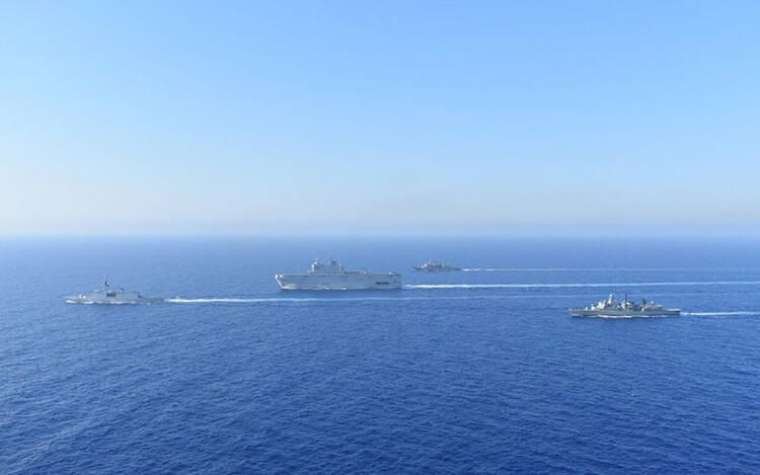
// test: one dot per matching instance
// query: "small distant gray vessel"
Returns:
(109, 295)
(331, 275)
(436, 266)
(611, 308)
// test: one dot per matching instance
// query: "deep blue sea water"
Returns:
(467, 372)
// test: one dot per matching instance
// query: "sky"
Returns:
(319, 117)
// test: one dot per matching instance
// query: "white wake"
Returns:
(598, 269)
(581, 285)
(239, 300)
(236, 300)
(626, 317)
(721, 314)
(743, 313)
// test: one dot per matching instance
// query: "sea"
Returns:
(478, 371)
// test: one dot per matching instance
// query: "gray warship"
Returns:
(331, 275)
(436, 266)
(110, 295)
(612, 308)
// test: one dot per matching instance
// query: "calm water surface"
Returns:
(480, 371)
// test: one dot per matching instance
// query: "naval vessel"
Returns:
(436, 266)
(331, 275)
(109, 295)
(611, 308)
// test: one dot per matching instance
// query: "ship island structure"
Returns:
(612, 308)
(331, 275)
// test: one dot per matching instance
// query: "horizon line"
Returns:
(521, 235)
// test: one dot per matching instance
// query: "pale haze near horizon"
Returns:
(359, 117)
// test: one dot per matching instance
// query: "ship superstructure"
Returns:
(330, 275)
(109, 295)
(624, 308)
(436, 266)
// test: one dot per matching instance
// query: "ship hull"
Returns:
(101, 299)
(623, 313)
(437, 270)
(341, 281)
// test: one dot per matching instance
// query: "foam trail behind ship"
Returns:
(182, 300)
(626, 317)
(524, 269)
(588, 269)
(236, 300)
(743, 313)
(265, 300)
(610, 285)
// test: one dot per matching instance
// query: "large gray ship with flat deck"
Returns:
(331, 275)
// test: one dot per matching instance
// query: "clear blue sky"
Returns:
(327, 116)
